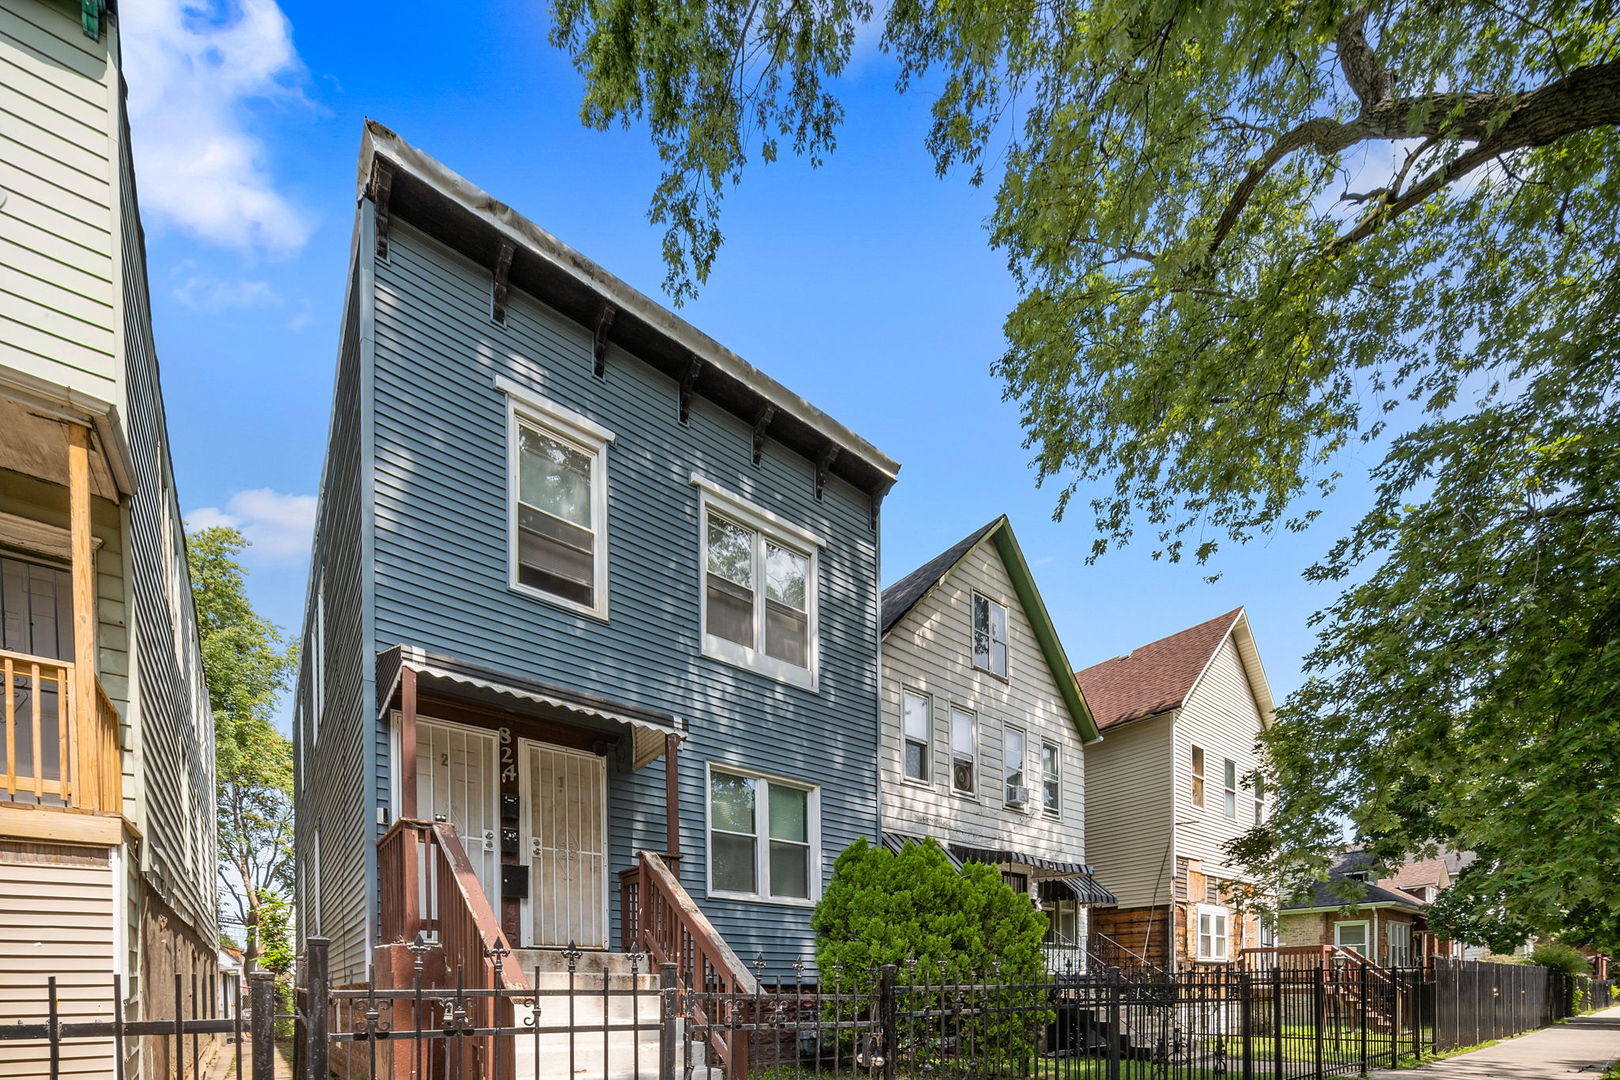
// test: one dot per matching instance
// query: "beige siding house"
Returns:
(1167, 788)
(107, 860)
(983, 734)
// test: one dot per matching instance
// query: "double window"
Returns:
(761, 837)
(759, 588)
(964, 752)
(557, 502)
(989, 635)
(1051, 778)
(1015, 751)
(1214, 924)
(918, 733)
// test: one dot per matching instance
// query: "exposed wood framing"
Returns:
(382, 186)
(824, 465)
(694, 364)
(407, 742)
(599, 340)
(83, 572)
(766, 415)
(503, 267)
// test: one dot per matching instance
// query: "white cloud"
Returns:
(279, 526)
(192, 69)
(209, 294)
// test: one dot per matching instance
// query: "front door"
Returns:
(456, 779)
(565, 843)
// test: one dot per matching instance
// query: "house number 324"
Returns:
(508, 762)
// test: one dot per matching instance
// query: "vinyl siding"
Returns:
(930, 651)
(1129, 811)
(1221, 717)
(58, 167)
(441, 576)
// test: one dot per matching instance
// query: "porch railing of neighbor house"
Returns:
(663, 919)
(56, 751)
(1110, 953)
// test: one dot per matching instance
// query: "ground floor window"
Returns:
(1351, 935)
(1214, 930)
(1062, 922)
(761, 837)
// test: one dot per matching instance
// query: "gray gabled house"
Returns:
(586, 585)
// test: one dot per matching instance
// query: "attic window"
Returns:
(989, 636)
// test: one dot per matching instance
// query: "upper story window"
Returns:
(1198, 776)
(964, 752)
(989, 635)
(1259, 799)
(762, 837)
(1015, 751)
(1051, 778)
(1229, 787)
(759, 588)
(918, 735)
(558, 502)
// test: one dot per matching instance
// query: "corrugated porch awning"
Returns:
(970, 853)
(1081, 887)
(895, 842)
(647, 728)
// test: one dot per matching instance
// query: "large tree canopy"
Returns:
(1247, 235)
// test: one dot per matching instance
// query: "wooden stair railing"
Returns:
(428, 885)
(1111, 953)
(664, 919)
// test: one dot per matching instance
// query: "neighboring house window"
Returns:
(1015, 751)
(558, 502)
(1018, 883)
(989, 636)
(759, 588)
(918, 734)
(1229, 783)
(1351, 935)
(964, 752)
(1198, 776)
(1259, 799)
(1400, 944)
(760, 837)
(1214, 924)
(1051, 778)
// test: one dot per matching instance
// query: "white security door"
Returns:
(565, 792)
(456, 778)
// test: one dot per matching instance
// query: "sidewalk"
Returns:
(1583, 1047)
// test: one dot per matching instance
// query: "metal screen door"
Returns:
(456, 777)
(566, 843)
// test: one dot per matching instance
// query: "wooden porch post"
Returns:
(672, 795)
(407, 741)
(86, 768)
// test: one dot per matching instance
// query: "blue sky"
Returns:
(867, 286)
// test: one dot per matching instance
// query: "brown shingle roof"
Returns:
(1413, 874)
(1155, 677)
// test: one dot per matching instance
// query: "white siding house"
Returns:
(1169, 786)
(983, 732)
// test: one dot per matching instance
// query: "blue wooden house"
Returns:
(592, 623)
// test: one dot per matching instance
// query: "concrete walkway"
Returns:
(1582, 1047)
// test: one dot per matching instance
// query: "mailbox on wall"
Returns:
(515, 882)
(509, 806)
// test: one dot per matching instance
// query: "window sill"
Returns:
(577, 608)
(729, 652)
(926, 785)
(755, 898)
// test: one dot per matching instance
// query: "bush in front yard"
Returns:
(1560, 958)
(965, 925)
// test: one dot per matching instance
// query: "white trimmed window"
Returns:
(1351, 935)
(989, 635)
(1051, 778)
(557, 502)
(918, 735)
(1229, 787)
(762, 837)
(1014, 755)
(1214, 926)
(1259, 799)
(964, 752)
(759, 588)
(1198, 776)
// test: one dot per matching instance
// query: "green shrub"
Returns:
(1560, 958)
(933, 922)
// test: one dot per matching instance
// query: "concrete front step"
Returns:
(596, 1055)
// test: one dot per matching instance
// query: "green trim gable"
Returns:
(1040, 620)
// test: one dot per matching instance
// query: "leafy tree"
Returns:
(1248, 236)
(248, 663)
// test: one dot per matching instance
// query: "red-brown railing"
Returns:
(53, 752)
(428, 884)
(657, 912)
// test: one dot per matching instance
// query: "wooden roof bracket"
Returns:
(599, 340)
(694, 364)
(503, 268)
(382, 186)
(824, 465)
(877, 498)
(761, 425)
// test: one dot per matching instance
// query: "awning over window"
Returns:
(969, 853)
(896, 841)
(1081, 887)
